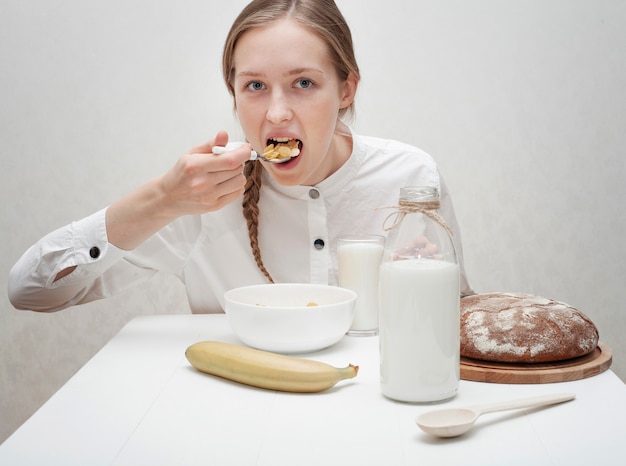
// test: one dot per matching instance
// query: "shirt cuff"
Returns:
(90, 251)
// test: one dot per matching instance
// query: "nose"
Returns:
(279, 108)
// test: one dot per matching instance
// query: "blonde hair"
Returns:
(324, 19)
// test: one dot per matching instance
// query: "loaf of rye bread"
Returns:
(523, 328)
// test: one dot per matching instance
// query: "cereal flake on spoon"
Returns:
(281, 149)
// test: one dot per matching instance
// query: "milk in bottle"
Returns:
(419, 304)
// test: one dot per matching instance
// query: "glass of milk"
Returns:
(359, 258)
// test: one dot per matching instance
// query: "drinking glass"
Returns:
(359, 258)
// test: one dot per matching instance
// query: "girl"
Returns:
(223, 221)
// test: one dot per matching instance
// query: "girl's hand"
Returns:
(201, 181)
(418, 247)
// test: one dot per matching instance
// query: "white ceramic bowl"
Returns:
(277, 317)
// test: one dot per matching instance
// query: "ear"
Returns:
(348, 90)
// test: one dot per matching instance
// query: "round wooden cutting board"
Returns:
(589, 365)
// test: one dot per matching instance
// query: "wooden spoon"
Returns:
(453, 422)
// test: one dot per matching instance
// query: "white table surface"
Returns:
(139, 402)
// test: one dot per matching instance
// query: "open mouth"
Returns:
(281, 149)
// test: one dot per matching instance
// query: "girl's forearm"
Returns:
(137, 216)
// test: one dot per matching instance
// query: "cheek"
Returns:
(324, 112)
(239, 105)
(245, 113)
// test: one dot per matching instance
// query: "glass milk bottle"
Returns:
(419, 322)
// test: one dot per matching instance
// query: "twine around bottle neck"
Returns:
(427, 208)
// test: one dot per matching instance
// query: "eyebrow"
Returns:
(293, 72)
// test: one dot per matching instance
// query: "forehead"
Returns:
(283, 43)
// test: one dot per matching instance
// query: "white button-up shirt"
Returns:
(210, 253)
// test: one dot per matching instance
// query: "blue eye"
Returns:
(255, 86)
(304, 83)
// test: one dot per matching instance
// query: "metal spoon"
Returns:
(218, 150)
(453, 422)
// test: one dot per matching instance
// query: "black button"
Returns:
(94, 252)
(318, 243)
(314, 194)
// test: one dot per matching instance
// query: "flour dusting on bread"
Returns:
(517, 327)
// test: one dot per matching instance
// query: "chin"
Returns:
(286, 173)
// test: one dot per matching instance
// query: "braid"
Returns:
(253, 171)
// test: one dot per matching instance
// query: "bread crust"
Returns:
(523, 328)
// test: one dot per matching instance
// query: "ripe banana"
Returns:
(264, 369)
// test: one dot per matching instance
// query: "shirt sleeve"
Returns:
(82, 244)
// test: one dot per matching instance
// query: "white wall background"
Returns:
(522, 102)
